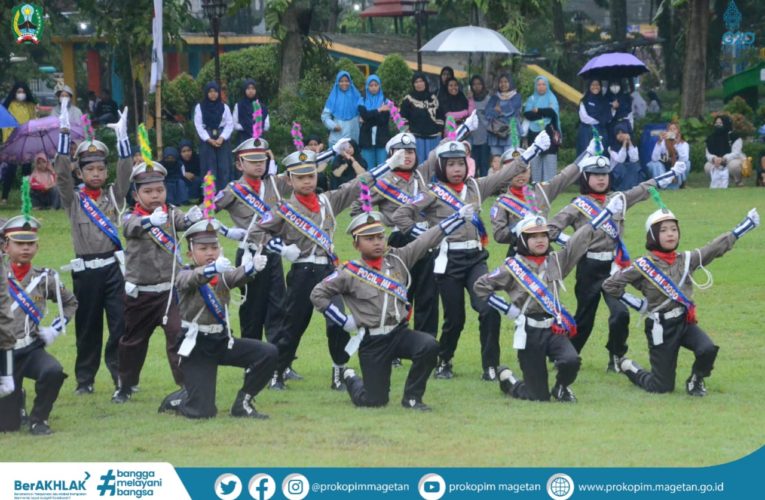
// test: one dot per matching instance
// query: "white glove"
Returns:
(63, 118)
(247, 259)
(541, 144)
(120, 127)
(340, 146)
(222, 264)
(48, 334)
(467, 211)
(754, 216)
(350, 325)
(194, 214)
(471, 122)
(7, 386)
(291, 252)
(751, 221)
(513, 312)
(615, 205)
(679, 169)
(259, 262)
(236, 233)
(158, 217)
(397, 160)
(591, 148)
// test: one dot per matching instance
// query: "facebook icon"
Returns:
(262, 487)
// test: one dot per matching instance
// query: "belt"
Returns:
(159, 287)
(380, 330)
(602, 256)
(464, 245)
(99, 263)
(313, 259)
(673, 313)
(546, 323)
(22, 343)
(206, 329)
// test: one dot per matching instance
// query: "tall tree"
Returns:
(618, 14)
(695, 64)
(290, 22)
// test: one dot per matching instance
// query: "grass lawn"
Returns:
(473, 424)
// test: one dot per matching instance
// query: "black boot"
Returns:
(277, 382)
(172, 402)
(489, 374)
(414, 404)
(506, 380)
(24, 417)
(444, 370)
(84, 389)
(631, 369)
(694, 386)
(563, 393)
(338, 384)
(290, 374)
(614, 363)
(243, 407)
(40, 428)
(122, 395)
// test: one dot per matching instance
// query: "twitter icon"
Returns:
(228, 486)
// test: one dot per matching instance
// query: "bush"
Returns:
(345, 64)
(180, 95)
(396, 77)
(566, 156)
(524, 82)
(737, 105)
(698, 156)
(569, 123)
(260, 63)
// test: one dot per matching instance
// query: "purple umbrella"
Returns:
(613, 65)
(33, 137)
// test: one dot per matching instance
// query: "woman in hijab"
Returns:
(214, 125)
(347, 166)
(447, 73)
(724, 152)
(192, 171)
(341, 111)
(62, 93)
(618, 96)
(502, 106)
(594, 111)
(479, 98)
(175, 181)
(22, 105)
(426, 122)
(543, 112)
(454, 103)
(244, 109)
(375, 116)
(654, 103)
(42, 183)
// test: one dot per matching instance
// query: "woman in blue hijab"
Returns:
(375, 115)
(594, 111)
(214, 125)
(341, 112)
(543, 113)
(244, 109)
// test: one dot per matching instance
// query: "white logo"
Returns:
(560, 486)
(431, 486)
(295, 487)
(228, 486)
(262, 487)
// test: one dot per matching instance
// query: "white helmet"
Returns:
(660, 215)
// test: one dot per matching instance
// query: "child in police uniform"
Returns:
(7, 338)
(462, 255)
(606, 251)
(665, 279)
(152, 257)
(302, 228)
(94, 213)
(542, 325)
(30, 288)
(375, 290)
(204, 289)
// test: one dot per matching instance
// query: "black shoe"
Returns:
(172, 402)
(506, 379)
(563, 394)
(489, 374)
(277, 382)
(290, 374)
(414, 404)
(122, 396)
(84, 389)
(243, 407)
(24, 417)
(338, 383)
(694, 386)
(614, 364)
(396, 363)
(40, 428)
(444, 370)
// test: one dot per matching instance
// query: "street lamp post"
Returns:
(214, 10)
(419, 14)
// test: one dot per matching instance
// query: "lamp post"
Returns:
(214, 10)
(419, 15)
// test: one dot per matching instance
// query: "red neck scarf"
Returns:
(375, 263)
(536, 259)
(404, 174)
(20, 271)
(309, 201)
(517, 192)
(456, 187)
(254, 184)
(93, 194)
(599, 197)
(139, 210)
(214, 281)
(668, 257)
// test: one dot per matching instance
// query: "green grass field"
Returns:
(473, 424)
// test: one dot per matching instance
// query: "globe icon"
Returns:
(560, 487)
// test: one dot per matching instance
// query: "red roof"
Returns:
(392, 8)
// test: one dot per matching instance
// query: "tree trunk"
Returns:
(667, 24)
(291, 48)
(618, 11)
(559, 30)
(334, 14)
(695, 66)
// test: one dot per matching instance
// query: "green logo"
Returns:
(27, 23)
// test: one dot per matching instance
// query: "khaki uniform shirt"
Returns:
(146, 262)
(188, 281)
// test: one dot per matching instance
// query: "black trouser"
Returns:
(542, 343)
(35, 363)
(98, 291)
(590, 275)
(9, 176)
(375, 356)
(200, 370)
(462, 271)
(300, 282)
(423, 292)
(677, 334)
(264, 301)
(142, 315)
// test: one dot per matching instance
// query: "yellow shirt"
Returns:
(23, 112)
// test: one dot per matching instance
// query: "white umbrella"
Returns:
(470, 39)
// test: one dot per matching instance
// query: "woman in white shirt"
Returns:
(671, 148)
(214, 125)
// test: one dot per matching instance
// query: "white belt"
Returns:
(673, 313)
(464, 245)
(602, 256)
(313, 259)
(206, 329)
(547, 323)
(22, 343)
(159, 287)
(380, 330)
(99, 263)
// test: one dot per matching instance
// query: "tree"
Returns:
(618, 14)
(695, 64)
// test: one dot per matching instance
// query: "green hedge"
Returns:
(396, 77)
(260, 63)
